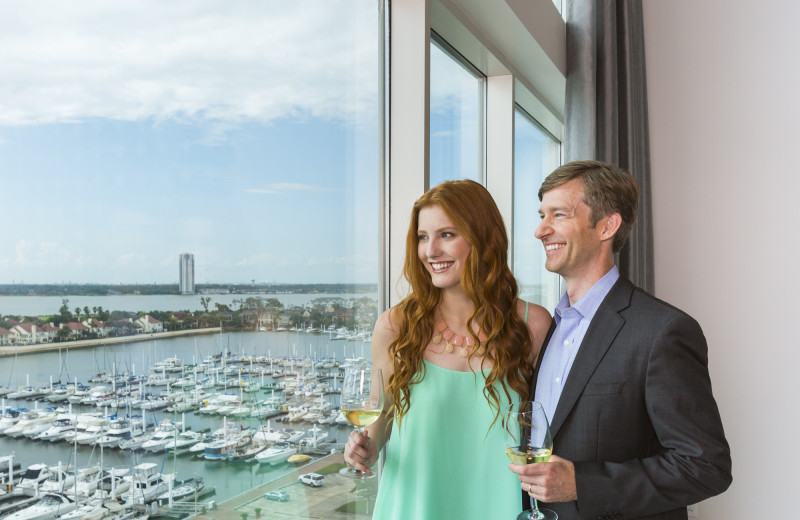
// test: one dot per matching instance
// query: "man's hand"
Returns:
(551, 481)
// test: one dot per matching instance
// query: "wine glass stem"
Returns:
(535, 514)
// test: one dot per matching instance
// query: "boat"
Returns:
(298, 458)
(146, 483)
(29, 419)
(234, 438)
(276, 454)
(49, 506)
(249, 452)
(315, 435)
(94, 430)
(32, 479)
(165, 432)
(289, 435)
(134, 443)
(58, 429)
(63, 481)
(9, 418)
(119, 430)
(185, 440)
(182, 489)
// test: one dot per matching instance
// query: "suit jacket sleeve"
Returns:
(659, 443)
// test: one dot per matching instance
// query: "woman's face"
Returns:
(441, 247)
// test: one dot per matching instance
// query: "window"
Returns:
(536, 154)
(457, 92)
(236, 142)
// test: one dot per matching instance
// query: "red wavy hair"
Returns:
(488, 282)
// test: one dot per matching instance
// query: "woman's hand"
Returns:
(360, 452)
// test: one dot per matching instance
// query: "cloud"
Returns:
(284, 187)
(222, 63)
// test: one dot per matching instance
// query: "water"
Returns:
(229, 478)
(47, 305)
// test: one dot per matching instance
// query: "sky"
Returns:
(243, 132)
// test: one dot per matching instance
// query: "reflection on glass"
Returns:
(245, 134)
(536, 154)
(456, 141)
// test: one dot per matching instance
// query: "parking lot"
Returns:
(339, 498)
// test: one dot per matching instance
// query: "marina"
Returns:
(100, 407)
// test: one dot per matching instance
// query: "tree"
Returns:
(63, 334)
(204, 301)
(77, 312)
(86, 311)
(64, 309)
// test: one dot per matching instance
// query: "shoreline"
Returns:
(11, 350)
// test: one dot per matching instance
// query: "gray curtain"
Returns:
(606, 109)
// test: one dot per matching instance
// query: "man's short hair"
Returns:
(607, 189)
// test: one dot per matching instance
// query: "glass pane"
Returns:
(456, 150)
(536, 154)
(243, 135)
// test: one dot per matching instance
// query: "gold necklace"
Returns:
(452, 340)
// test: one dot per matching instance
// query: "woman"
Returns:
(454, 353)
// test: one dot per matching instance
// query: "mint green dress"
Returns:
(444, 463)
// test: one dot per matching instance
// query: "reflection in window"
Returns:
(456, 142)
(536, 154)
(243, 133)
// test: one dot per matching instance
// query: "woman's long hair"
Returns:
(488, 282)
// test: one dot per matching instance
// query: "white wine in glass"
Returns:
(361, 403)
(528, 441)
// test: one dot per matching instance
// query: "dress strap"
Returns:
(526, 311)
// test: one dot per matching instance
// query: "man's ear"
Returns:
(610, 225)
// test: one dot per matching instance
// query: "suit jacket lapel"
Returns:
(600, 335)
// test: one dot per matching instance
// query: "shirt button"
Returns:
(566, 342)
(558, 380)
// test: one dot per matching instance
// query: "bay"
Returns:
(228, 478)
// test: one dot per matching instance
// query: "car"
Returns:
(277, 495)
(312, 479)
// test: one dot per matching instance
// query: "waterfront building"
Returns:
(148, 324)
(186, 266)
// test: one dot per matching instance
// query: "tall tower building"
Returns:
(186, 262)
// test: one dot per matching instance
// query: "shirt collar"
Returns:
(587, 306)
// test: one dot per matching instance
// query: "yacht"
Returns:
(94, 430)
(185, 440)
(32, 479)
(58, 429)
(9, 418)
(135, 442)
(235, 438)
(165, 432)
(119, 430)
(276, 454)
(147, 483)
(29, 419)
(48, 507)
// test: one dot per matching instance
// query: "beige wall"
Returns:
(724, 99)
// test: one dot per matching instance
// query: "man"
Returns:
(623, 376)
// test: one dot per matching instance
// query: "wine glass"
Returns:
(527, 441)
(361, 403)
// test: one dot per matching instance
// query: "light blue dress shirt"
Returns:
(571, 325)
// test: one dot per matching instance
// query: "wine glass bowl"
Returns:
(528, 441)
(361, 403)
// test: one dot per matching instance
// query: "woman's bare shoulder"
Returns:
(538, 322)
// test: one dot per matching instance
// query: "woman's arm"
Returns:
(361, 451)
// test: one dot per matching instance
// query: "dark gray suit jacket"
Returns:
(637, 416)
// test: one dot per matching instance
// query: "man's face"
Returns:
(572, 244)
